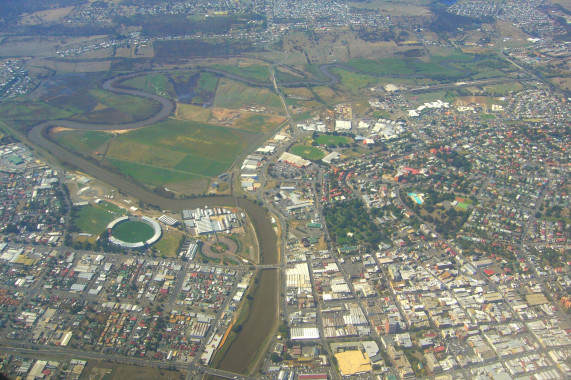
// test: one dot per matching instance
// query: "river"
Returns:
(264, 308)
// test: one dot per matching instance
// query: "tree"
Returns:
(275, 358)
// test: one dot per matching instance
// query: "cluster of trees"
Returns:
(373, 34)
(199, 48)
(448, 220)
(351, 218)
(457, 160)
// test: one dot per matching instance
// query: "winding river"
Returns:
(264, 308)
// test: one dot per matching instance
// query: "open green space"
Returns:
(350, 224)
(133, 231)
(331, 140)
(308, 152)
(403, 66)
(169, 244)
(81, 141)
(112, 208)
(30, 110)
(208, 81)
(176, 151)
(316, 73)
(235, 95)
(149, 175)
(258, 123)
(92, 219)
(258, 73)
(117, 108)
(285, 77)
(79, 97)
(353, 81)
(158, 84)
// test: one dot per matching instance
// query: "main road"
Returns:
(264, 308)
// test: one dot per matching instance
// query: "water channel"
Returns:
(263, 311)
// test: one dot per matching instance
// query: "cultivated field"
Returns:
(258, 73)
(235, 95)
(257, 122)
(86, 142)
(153, 84)
(175, 151)
(30, 110)
(193, 112)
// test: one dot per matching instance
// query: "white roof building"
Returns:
(342, 125)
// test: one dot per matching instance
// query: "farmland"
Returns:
(81, 141)
(257, 73)
(257, 122)
(354, 81)
(176, 151)
(30, 110)
(235, 95)
(153, 84)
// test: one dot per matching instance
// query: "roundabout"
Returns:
(134, 232)
(216, 248)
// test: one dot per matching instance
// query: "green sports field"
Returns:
(133, 231)
(308, 152)
(330, 140)
(93, 219)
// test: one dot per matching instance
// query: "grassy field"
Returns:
(193, 112)
(81, 141)
(258, 73)
(402, 66)
(153, 83)
(283, 76)
(208, 82)
(169, 244)
(353, 81)
(235, 95)
(328, 95)
(133, 231)
(28, 110)
(79, 97)
(308, 152)
(117, 108)
(258, 123)
(175, 151)
(330, 140)
(503, 88)
(113, 208)
(93, 219)
(149, 175)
